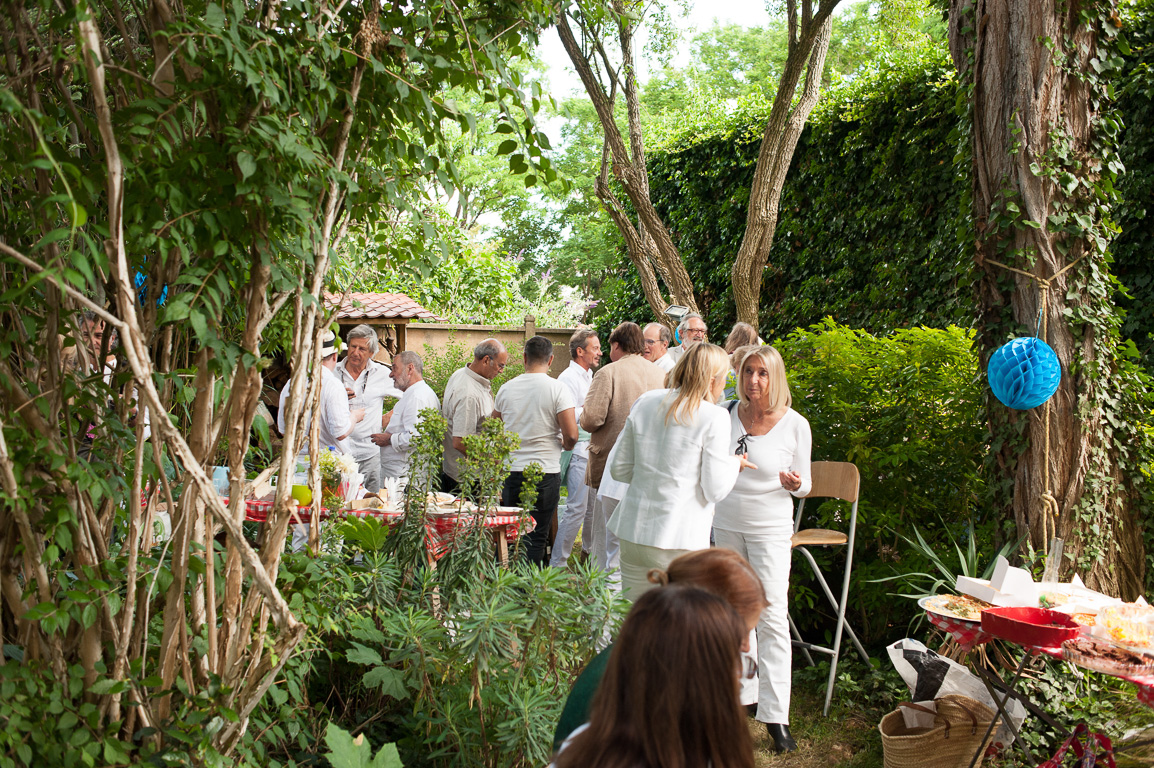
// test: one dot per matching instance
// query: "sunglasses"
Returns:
(748, 667)
(742, 445)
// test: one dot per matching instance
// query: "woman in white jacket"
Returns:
(756, 518)
(674, 452)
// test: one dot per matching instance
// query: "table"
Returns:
(441, 529)
(969, 635)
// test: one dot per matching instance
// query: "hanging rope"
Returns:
(1050, 509)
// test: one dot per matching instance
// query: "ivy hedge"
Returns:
(871, 209)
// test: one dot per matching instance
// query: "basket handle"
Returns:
(968, 711)
(937, 715)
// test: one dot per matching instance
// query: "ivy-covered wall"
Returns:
(869, 219)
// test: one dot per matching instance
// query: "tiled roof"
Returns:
(370, 306)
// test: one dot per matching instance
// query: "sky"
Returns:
(748, 13)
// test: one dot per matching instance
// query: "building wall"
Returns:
(439, 336)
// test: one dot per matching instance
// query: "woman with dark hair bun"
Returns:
(669, 699)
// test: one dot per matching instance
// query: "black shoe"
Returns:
(782, 738)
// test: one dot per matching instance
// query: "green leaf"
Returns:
(391, 682)
(246, 164)
(347, 752)
(506, 146)
(107, 686)
(359, 654)
(214, 16)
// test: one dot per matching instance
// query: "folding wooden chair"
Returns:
(832, 480)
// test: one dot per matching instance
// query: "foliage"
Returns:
(464, 664)
(473, 281)
(222, 151)
(905, 409)
(348, 752)
(440, 364)
(945, 569)
(868, 213)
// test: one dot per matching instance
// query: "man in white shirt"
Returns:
(657, 338)
(336, 422)
(541, 410)
(367, 384)
(468, 402)
(395, 441)
(691, 330)
(584, 354)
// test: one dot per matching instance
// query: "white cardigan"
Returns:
(676, 473)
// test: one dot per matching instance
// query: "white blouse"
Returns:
(758, 502)
(676, 472)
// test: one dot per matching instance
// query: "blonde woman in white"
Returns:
(756, 518)
(674, 452)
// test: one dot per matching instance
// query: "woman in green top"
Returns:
(720, 571)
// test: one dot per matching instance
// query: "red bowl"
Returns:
(1039, 627)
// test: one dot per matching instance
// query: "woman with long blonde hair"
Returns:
(674, 453)
(756, 518)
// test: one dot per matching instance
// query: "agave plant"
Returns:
(945, 571)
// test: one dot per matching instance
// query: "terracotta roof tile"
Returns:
(372, 306)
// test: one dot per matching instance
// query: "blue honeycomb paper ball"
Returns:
(1024, 373)
(142, 290)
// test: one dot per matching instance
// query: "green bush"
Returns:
(467, 663)
(905, 408)
(440, 364)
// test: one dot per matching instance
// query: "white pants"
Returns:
(578, 514)
(636, 562)
(301, 536)
(370, 466)
(769, 554)
(606, 546)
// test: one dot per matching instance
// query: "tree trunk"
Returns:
(648, 240)
(1039, 151)
(808, 44)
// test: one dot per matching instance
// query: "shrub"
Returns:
(905, 408)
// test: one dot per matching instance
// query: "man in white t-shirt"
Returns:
(541, 410)
(336, 422)
(584, 354)
(657, 338)
(367, 384)
(396, 440)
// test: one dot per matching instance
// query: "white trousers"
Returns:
(636, 562)
(769, 554)
(606, 546)
(578, 514)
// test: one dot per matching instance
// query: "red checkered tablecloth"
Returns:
(968, 634)
(442, 529)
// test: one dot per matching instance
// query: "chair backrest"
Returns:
(831, 480)
(834, 480)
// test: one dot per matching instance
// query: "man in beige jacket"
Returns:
(614, 389)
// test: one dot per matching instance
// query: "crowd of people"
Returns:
(680, 464)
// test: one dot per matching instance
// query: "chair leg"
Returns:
(797, 636)
(833, 600)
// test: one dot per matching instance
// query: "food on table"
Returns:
(1128, 623)
(1052, 599)
(965, 606)
(1106, 657)
(1085, 619)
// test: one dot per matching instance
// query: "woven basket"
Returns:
(960, 724)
